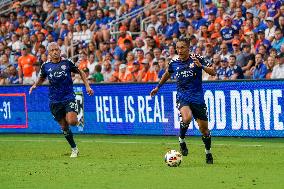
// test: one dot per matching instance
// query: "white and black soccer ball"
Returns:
(173, 158)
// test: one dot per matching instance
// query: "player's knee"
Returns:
(186, 120)
(73, 121)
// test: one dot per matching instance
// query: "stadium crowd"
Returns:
(243, 39)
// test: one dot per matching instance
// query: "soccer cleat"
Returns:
(74, 153)
(209, 158)
(183, 149)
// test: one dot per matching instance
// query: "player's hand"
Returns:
(90, 91)
(154, 92)
(32, 88)
(195, 60)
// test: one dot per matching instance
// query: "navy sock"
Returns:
(69, 137)
(183, 129)
(207, 141)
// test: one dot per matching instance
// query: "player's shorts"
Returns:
(60, 109)
(199, 111)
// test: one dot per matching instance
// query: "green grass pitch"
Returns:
(137, 162)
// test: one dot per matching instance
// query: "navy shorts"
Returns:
(199, 111)
(60, 109)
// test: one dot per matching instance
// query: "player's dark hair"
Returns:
(185, 40)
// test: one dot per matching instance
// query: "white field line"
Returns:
(122, 142)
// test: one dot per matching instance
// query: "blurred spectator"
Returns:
(270, 30)
(261, 41)
(259, 71)
(13, 77)
(172, 27)
(107, 71)
(209, 52)
(278, 70)
(115, 73)
(224, 54)
(273, 52)
(25, 67)
(270, 64)
(4, 63)
(91, 64)
(154, 23)
(122, 37)
(278, 40)
(15, 43)
(221, 72)
(83, 61)
(163, 66)
(128, 48)
(228, 32)
(35, 74)
(123, 75)
(258, 25)
(263, 51)
(249, 59)
(234, 71)
(97, 77)
(198, 20)
(145, 74)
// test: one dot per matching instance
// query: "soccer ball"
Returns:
(173, 158)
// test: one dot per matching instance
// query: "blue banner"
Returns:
(241, 108)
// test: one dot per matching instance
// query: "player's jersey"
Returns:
(189, 79)
(59, 76)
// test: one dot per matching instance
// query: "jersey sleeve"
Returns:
(42, 72)
(170, 67)
(73, 67)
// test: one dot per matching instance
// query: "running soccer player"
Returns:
(61, 95)
(190, 97)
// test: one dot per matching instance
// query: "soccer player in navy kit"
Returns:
(190, 97)
(61, 95)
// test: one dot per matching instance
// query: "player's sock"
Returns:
(207, 142)
(69, 137)
(183, 129)
(181, 140)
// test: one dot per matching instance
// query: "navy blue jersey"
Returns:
(189, 79)
(235, 70)
(227, 33)
(59, 76)
(221, 73)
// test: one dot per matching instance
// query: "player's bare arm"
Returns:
(39, 82)
(86, 83)
(163, 80)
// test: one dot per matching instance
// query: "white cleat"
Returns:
(74, 153)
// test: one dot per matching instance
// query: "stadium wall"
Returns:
(241, 108)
